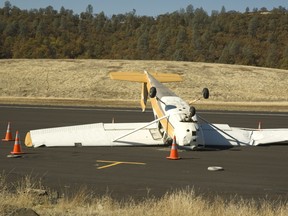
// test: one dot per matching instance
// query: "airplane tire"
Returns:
(192, 111)
(152, 92)
(205, 93)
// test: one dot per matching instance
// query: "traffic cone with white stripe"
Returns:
(174, 151)
(17, 146)
(8, 136)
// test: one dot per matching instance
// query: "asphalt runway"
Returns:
(140, 172)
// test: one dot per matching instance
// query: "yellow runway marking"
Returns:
(114, 163)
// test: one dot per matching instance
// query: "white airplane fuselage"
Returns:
(179, 122)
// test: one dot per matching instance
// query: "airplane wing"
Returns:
(98, 134)
(269, 136)
(224, 135)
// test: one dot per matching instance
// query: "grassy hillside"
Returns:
(71, 81)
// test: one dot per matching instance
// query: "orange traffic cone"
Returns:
(174, 151)
(17, 145)
(8, 136)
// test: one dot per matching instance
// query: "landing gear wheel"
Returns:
(152, 92)
(192, 111)
(167, 140)
(205, 93)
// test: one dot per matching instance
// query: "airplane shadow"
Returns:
(211, 148)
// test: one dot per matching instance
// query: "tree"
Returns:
(200, 18)
(40, 31)
(7, 5)
(143, 46)
(272, 38)
(179, 55)
(253, 25)
(190, 9)
(211, 55)
(181, 37)
(272, 57)
(225, 57)
(214, 13)
(248, 55)
(215, 27)
(7, 8)
(234, 48)
(89, 9)
(272, 25)
(284, 60)
(11, 29)
(99, 21)
(50, 11)
(8, 47)
(196, 40)
(162, 43)
(223, 10)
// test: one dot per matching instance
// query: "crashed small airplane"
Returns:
(173, 117)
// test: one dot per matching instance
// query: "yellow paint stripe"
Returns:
(114, 163)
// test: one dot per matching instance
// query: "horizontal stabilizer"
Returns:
(142, 78)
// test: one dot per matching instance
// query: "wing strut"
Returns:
(137, 129)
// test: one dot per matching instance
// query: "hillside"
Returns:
(255, 38)
(86, 82)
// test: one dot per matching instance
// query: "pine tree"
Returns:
(253, 25)
(272, 58)
(143, 46)
(284, 60)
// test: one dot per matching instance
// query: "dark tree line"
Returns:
(257, 37)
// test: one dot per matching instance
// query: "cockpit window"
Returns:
(169, 107)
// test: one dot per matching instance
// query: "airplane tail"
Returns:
(144, 78)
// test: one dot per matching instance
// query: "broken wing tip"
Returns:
(28, 140)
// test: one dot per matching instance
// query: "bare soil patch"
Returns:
(87, 82)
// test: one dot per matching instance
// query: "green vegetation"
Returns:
(258, 38)
(29, 193)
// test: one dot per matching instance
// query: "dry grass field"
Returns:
(26, 196)
(86, 82)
